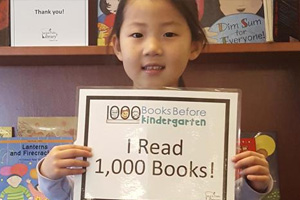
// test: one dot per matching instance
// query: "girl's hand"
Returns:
(61, 160)
(255, 168)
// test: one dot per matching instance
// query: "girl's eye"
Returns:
(136, 35)
(169, 34)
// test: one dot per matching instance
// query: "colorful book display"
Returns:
(106, 17)
(19, 157)
(235, 21)
(265, 143)
(4, 22)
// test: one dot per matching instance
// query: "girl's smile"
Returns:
(153, 69)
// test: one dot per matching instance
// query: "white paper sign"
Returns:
(49, 22)
(157, 144)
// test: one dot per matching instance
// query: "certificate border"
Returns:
(159, 98)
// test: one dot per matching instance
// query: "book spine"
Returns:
(4, 23)
(275, 20)
(298, 20)
(288, 20)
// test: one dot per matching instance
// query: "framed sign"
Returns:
(49, 22)
(158, 144)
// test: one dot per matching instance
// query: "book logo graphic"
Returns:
(212, 196)
(49, 34)
(123, 114)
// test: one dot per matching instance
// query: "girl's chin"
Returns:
(151, 85)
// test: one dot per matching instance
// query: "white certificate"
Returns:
(158, 144)
(49, 22)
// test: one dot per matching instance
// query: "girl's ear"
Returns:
(117, 47)
(196, 49)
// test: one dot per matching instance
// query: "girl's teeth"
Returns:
(153, 67)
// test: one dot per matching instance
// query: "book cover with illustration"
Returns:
(106, 17)
(47, 126)
(4, 23)
(234, 21)
(6, 132)
(265, 143)
(19, 157)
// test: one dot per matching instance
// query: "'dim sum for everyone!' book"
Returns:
(18, 160)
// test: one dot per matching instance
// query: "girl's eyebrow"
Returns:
(169, 23)
(137, 24)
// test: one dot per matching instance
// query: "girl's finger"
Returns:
(71, 163)
(251, 161)
(255, 170)
(258, 178)
(246, 154)
(73, 153)
(68, 171)
(72, 146)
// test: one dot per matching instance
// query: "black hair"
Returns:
(188, 9)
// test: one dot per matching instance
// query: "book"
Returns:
(4, 23)
(236, 21)
(269, 14)
(47, 126)
(49, 23)
(286, 20)
(19, 157)
(6, 132)
(265, 143)
(106, 17)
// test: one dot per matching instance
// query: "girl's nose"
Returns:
(152, 47)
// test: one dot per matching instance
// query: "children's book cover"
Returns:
(265, 143)
(233, 21)
(106, 17)
(4, 22)
(47, 126)
(19, 157)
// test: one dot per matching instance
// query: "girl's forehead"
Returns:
(145, 10)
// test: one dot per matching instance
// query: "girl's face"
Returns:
(112, 5)
(229, 7)
(155, 43)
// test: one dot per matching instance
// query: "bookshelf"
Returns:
(95, 50)
(42, 81)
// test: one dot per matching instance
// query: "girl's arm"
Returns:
(61, 162)
(60, 189)
(245, 191)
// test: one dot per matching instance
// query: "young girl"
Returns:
(154, 39)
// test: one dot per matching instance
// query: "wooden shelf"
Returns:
(253, 48)
(95, 50)
(54, 51)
